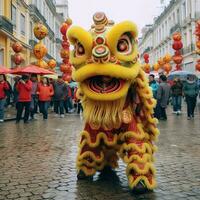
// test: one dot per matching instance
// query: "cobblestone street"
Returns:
(37, 161)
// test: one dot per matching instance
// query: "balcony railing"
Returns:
(175, 28)
(6, 25)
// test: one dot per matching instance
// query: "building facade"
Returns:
(179, 15)
(17, 19)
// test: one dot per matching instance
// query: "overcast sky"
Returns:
(141, 12)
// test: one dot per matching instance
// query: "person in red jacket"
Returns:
(24, 87)
(3, 88)
(45, 92)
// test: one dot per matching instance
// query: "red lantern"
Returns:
(64, 53)
(65, 68)
(198, 44)
(167, 67)
(64, 37)
(66, 60)
(63, 28)
(17, 58)
(198, 67)
(17, 47)
(52, 63)
(177, 36)
(65, 44)
(197, 29)
(178, 59)
(146, 68)
(146, 56)
(177, 45)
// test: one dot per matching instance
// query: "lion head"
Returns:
(106, 64)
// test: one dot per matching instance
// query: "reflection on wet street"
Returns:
(37, 161)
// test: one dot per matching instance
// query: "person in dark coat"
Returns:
(162, 97)
(60, 88)
(191, 91)
(177, 92)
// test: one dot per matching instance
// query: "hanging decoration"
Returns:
(146, 66)
(65, 67)
(17, 58)
(156, 67)
(40, 50)
(177, 46)
(167, 66)
(197, 33)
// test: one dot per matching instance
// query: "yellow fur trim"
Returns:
(145, 158)
(79, 34)
(153, 129)
(87, 171)
(148, 105)
(144, 148)
(114, 35)
(145, 93)
(108, 69)
(100, 136)
(130, 134)
(103, 96)
(86, 163)
(140, 82)
(147, 168)
(91, 155)
(133, 183)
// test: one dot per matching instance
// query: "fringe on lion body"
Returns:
(106, 114)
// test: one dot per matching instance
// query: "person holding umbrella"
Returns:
(24, 87)
(4, 87)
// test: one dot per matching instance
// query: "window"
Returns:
(1, 7)
(184, 10)
(178, 16)
(31, 30)
(1, 56)
(22, 24)
(13, 15)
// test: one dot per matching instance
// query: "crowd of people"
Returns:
(33, 95)
(165, 94)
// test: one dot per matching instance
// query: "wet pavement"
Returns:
(37, 161)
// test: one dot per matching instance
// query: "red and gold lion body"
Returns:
(117, 101)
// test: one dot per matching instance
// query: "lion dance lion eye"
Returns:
(124, 45)
(79, 49)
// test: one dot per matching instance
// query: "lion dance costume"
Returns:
(117, 102)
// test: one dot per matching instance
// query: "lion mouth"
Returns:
(105, 84)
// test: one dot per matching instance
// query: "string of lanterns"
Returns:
(17, 58)
(177, 46)
(146, 66)
(66, 66)
(40, 50)
(197, 33)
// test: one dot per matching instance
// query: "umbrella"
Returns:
(180, 74)
(31, 69)
(4, 70)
